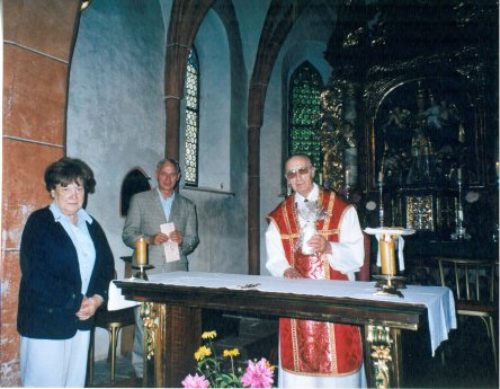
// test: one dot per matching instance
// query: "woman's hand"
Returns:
(89, 306)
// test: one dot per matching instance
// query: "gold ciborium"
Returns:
(388, 240)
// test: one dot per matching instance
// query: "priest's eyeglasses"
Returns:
(292, 173)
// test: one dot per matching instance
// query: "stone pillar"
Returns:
(38, 42)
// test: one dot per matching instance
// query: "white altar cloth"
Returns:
(438, 300)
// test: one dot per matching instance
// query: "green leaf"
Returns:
(225, 380)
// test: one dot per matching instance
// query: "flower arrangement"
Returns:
(214, 372)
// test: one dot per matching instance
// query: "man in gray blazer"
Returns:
(148, 210)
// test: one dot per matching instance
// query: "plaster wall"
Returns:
(116, 121)
(116, 115)
(221, 198)
(250, 19)
(215, 82)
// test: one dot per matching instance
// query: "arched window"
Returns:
(304, 110)
(192, 94)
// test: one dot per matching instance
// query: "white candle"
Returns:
(387, 255)
(347, 177)
(381, 176)
(459, 174)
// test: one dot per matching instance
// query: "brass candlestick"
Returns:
(141, 259)
(389, 281)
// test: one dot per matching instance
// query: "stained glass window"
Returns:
(304, 111)
(192, 94)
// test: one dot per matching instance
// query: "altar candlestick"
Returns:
(141, 255)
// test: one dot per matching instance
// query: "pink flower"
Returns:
(258, 375)
(195, 381)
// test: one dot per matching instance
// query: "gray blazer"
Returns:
(144, 217)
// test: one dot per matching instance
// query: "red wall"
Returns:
(38, 42)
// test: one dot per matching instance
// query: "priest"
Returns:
(314, 234)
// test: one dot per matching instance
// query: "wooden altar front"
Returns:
(173, 322)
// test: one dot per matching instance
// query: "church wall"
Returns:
(221, 198)
(250, 21)
(116, 99)
(116, 121)
(215, 88)
(271, 165)
(116, 115)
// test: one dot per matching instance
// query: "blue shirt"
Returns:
(166, 204)
(80, 236)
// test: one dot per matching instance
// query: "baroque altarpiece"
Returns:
(409, 118)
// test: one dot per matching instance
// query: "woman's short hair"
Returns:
(68, 170)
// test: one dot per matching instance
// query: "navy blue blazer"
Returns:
(50, 290)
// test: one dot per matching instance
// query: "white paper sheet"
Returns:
(171, 248)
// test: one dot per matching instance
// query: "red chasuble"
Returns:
(315, 347)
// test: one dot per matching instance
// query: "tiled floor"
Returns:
(467, 374)
(468, 359)
(124, 377)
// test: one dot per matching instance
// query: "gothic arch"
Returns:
(279, 20)
(185, 20)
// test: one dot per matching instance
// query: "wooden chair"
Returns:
(113, 322)
(473, 284)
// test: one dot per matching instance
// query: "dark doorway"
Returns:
(134, 182)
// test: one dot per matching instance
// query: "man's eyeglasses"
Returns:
(292, 173)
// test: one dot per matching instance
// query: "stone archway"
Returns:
(279, 20)
(185, 20)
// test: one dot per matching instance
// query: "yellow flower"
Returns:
(202, 352)
(270, 366)
(232, 353)
(209, 335)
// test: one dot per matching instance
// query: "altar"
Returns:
(174, 324)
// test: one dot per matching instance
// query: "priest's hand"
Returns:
(320, 245)
(292, 273)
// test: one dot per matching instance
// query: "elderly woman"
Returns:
(66, 265)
